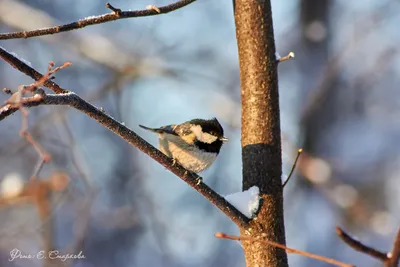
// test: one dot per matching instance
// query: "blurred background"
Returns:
(339, 100)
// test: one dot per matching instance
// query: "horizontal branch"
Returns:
(287, 249)
(93, 20)
(192, 179)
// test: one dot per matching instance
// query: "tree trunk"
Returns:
(261, 137)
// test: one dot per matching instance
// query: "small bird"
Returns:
(195, 144)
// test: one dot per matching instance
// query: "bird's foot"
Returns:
(199, 180)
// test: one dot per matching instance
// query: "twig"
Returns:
(16, 101)
(22, 67)
(293, 167)
(394, 255)
(47, 76)
(42, 153)
(38, 168)
(288, 250)
(287, 57)
(117, 14)
(77, 160)
(117, 11)
(357, 245)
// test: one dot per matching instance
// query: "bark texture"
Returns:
(261, 136)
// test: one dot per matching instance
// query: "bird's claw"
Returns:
(199, 180)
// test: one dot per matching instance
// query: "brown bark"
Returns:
(261, 141)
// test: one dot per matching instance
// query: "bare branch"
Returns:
(16, 101)
(293, 167)
(22, 67)
(132, 138)
(39, 167)
(128, 135)
(115, 15)
(288, 250)
(117, 11)
(287, 57)
(394, 255)
(357, 245)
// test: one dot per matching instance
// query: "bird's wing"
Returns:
(169, 129)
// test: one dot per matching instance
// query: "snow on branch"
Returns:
(93, 20)
(246, 202)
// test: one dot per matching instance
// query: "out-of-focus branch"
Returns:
(15, 101)
(38, 192)
(73, 100)
(357, 245)
(394, 255)
(287, 249)
(390, 259)
(115, 15)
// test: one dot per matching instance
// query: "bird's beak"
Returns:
(223, 139)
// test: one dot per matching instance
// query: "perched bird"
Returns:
(195, 144)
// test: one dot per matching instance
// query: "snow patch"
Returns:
(246, 202)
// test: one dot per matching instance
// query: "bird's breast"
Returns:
(189, 156)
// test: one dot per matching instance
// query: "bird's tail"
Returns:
(154, 130)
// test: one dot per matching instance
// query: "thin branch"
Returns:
(394, 255)
(24, 68)
(77, 159)
(16, 101)
(38, 167)
(293, 167)
(357, 245)
(287, 57)
(288, 250)
(116, 11)
(115, 15)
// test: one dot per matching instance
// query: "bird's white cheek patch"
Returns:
(208, 138)
(201, 136)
